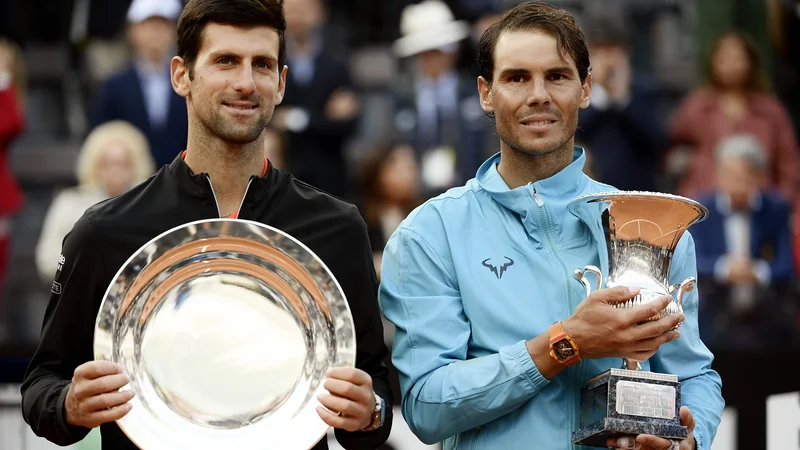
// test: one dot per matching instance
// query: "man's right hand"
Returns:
(94, 398)
(601, 330)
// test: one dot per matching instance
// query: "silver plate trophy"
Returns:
(641, 231)
(226, 329)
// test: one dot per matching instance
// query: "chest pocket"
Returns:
(577, 243)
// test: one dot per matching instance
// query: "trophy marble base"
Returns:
(622, 402)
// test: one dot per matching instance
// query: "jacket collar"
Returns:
(198, 185)
(564, 185)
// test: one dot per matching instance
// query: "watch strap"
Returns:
(377, 415)
(556, 334)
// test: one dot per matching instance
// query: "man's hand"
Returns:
(650, 442)
(94, 398)
(600, 330)
(351, 396)
(6, 57)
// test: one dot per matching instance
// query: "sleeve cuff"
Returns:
(699, 440)
(61, 414)
(722, 269)
(762, 271)
(528, 367)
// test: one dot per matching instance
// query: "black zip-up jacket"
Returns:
(110, 232)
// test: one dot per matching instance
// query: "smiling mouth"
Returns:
(241, 107)
(539, 123)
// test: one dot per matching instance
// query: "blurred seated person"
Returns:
(737, 100)
(114, 158)
(142, 94)
(744, 252)
(389, 192)
(622, 124)
(436, 107)
(320, 108)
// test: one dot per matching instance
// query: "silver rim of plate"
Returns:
(244, 376)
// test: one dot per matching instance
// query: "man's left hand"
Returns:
(650, 442)
(351, 396)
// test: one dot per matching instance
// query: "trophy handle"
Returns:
(686, 286)
(580, 274)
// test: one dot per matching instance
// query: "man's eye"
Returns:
(558, 77)
(224, 61)
(262, 65)
(517, 79)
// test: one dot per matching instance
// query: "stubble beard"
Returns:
(518, 147)
(239, 134)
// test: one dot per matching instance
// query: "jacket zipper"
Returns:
(216, 202)
(543, 215)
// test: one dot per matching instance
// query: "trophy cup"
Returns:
(641, 232)
(225, 329)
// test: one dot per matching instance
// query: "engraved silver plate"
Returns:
(226, 329)
(645, 400)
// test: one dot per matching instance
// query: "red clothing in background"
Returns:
(11, 124)
(701, 124)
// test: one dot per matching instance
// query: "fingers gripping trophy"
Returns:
(641, 231)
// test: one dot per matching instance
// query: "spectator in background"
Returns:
(735, 101)
(744, 251)
(114, 158)
(390, 192)
(143, 94)
(622, 125)
(437, 108)
(12, 122)
(320, 108)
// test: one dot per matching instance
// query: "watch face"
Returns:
(563, 350)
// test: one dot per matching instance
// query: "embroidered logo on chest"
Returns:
(498, 270)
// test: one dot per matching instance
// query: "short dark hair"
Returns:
(241, 13)
(536, 15)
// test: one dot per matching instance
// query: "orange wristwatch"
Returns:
(562, 347)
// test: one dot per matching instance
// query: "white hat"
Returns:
(429, 25)
(145, 9)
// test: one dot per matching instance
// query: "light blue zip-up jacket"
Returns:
(472, 274)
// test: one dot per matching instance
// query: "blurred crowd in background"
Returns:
(699, 98)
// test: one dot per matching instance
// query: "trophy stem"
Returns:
(631, 364)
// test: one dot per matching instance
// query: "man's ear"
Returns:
(485, 93)
(179, 75)
(281, 85)
(587, 91)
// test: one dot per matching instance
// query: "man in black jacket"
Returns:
(230, 70)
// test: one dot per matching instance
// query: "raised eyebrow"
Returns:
(513, 71)
(223, 54)
(237, 57)
(561, 70)
(269, 59)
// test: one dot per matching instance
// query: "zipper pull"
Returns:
(536, 196)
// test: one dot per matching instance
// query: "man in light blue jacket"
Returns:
(478, 280)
